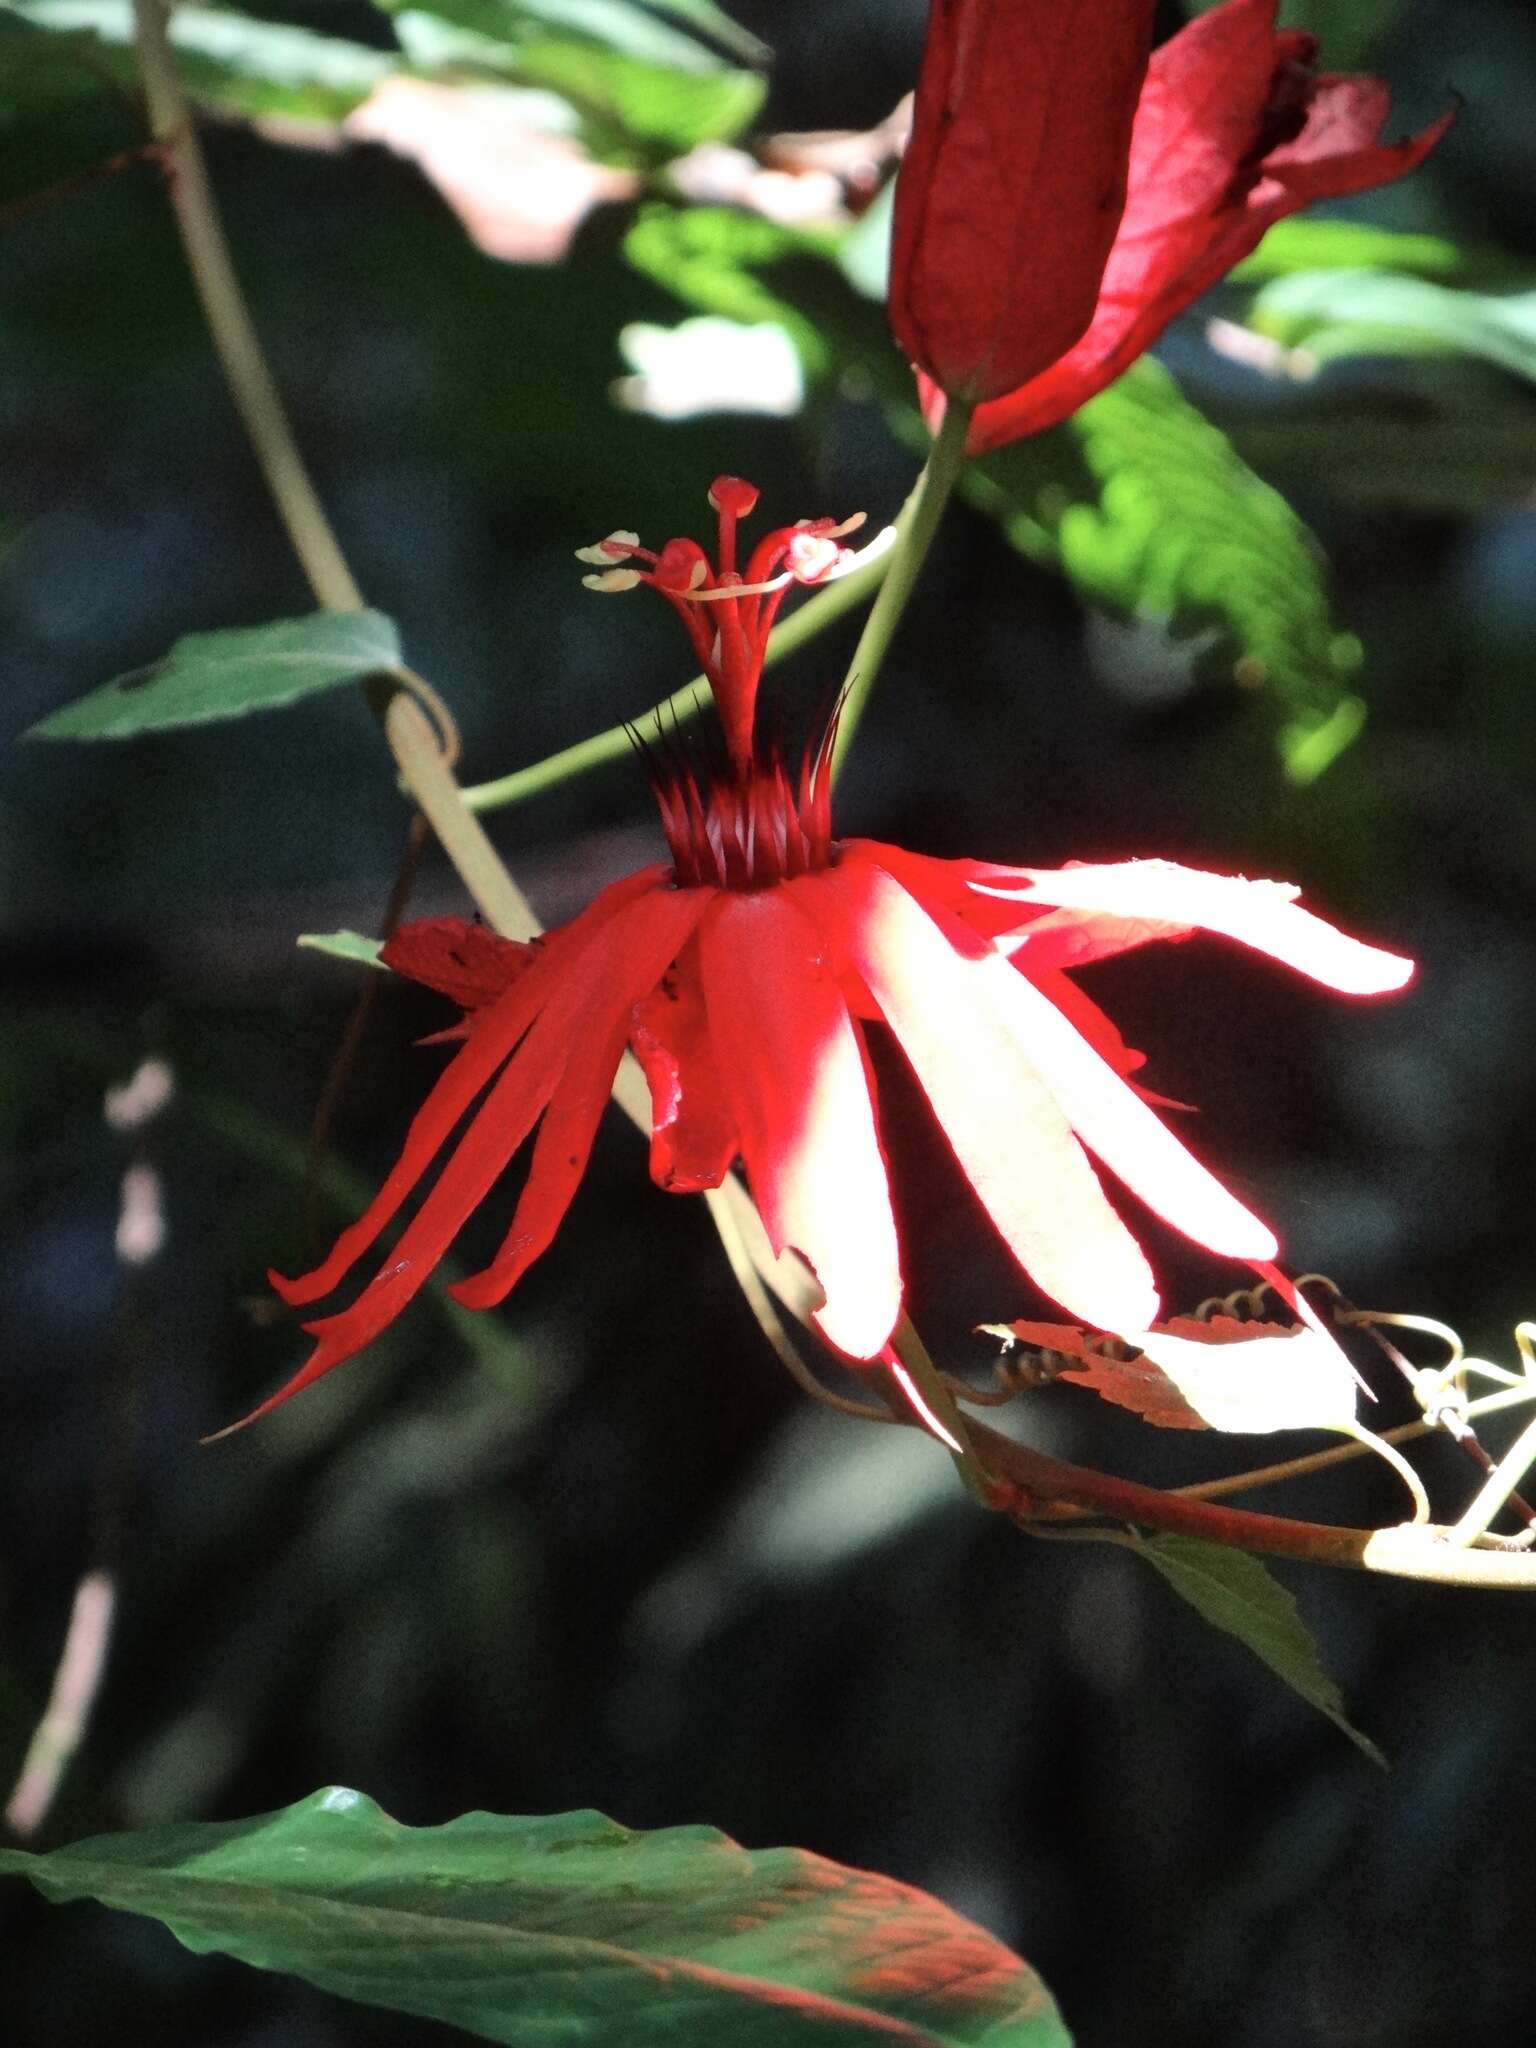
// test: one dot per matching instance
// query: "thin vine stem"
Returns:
(916, 529)
(250, 381)
(819, 611)
(1028, 1478)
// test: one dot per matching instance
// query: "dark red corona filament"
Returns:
(750, 821)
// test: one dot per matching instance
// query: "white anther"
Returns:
(613, 549)
(612, 579)
(724, 590)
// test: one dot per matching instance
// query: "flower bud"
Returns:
(1013, 184)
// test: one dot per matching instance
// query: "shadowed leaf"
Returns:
(569, 1931)
(1237, 1594)
(209, 676)
(1149, 509)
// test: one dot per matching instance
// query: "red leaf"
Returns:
(467, 962)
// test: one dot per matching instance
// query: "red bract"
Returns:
(1012, 184)
(746, 976)
(1234, 130)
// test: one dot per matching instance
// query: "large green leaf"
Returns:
(744, 268)
(1237, 1594)
(1149, 509)
(231, 61)
(617, 25)
(570, 1931)
(1302, 243)
(1349, 30)
(1339, 313)
(624, 99)
(208, 676)
(1454, 458)
(713, 21)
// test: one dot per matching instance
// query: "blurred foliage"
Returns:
(1150, 509)
(593, 1550)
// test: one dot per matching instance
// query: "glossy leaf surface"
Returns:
(569, 1931)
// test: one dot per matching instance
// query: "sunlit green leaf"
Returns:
(1302, 243)
(569, 1931)
(624, 99)
(1237, 1594)
(733, 264)
(1149, 509)
(627, 29)
(1339, 313)
(354, 946)
(232, 61)
(209, 676)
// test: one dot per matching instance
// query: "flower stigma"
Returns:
(745, 817)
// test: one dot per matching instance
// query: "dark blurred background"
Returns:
(596, 1550)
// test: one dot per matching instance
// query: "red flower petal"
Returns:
(466, 962)
(1112, 1121)
(494, 1036)
(693, 1134)
(1089, 1021)
(637, 948)
(1231, 135)
(798, 1089)
(1139, 896)
(946, 1001)
(1012, 184)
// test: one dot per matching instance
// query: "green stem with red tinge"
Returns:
(916, 529)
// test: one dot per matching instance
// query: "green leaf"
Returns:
(1149, 509)
(865, 254)
(1334, 314)
(1454, 458)
(740, 267)
(344, 945)
(1237, 1594)
(231, 61)
(208, 676)
(617, 25)
(713, 21)
(1301, 243)
(1349, 30)
(624, 99)
(569, 1931)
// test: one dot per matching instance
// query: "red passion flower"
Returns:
(1234, 130)
(746, 974)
